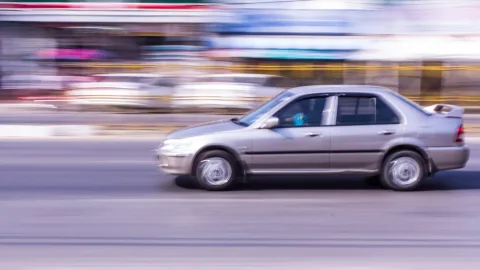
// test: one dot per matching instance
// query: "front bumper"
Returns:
(175, 164)
(449, 158)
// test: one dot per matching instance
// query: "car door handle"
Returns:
(386, 132)
(311, 134)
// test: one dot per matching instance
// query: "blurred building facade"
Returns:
(50, 34)
(285, 34)
(294, 35)
(389, 35)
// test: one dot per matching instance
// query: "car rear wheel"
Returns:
(403, 171)
(215, 170)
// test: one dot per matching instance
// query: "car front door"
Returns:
(294, 146)
(365, 124)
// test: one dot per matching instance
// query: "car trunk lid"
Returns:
(447, 125)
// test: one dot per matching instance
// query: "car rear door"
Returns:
(365, 125)
(294, 149)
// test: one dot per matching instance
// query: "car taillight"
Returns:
(460, 134)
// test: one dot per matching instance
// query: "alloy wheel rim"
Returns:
(215, 171)
(404, 171)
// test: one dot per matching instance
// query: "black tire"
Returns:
(373, 181)
(208, 185)
(394, 183)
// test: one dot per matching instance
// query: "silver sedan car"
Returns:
(323, 130)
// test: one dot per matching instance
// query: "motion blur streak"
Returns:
(127, 51)
(141, 68)
(75, 210)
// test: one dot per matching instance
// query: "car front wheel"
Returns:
(403, 171)
(215, 170)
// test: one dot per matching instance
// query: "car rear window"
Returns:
(364, 110)
(410, 103)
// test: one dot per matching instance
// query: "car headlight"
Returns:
(176, 146)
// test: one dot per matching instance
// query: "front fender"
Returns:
(216, 146)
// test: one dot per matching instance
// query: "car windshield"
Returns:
(252, 116)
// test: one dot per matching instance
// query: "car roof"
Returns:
(318, 89)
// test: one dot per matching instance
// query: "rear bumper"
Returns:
(449, 158)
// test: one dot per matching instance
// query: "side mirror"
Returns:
(271, 123)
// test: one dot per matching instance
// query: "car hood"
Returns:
(204, 129)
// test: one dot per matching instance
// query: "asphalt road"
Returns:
(102, 204)
(79, 118)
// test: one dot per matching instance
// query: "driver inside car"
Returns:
(297, 115)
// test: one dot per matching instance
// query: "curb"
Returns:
(35, 131)
(43, 131)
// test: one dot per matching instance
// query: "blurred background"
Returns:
(128, 68)
(169, 55)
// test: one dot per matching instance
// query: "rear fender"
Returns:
(412, 144)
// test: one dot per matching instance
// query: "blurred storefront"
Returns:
(407, 45)
(292, 36)
(414, 43)
(69, 34)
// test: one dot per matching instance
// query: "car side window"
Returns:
(306, 112)
(385, 114)
(364, 110)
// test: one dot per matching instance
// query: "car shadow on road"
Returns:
(444, 181)
(453, 180)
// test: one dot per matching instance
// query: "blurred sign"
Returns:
(449, 18)
(106, 12)
(167, 29)
(283, 54)
(295, 21)
(288, 43)
(402, 17)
